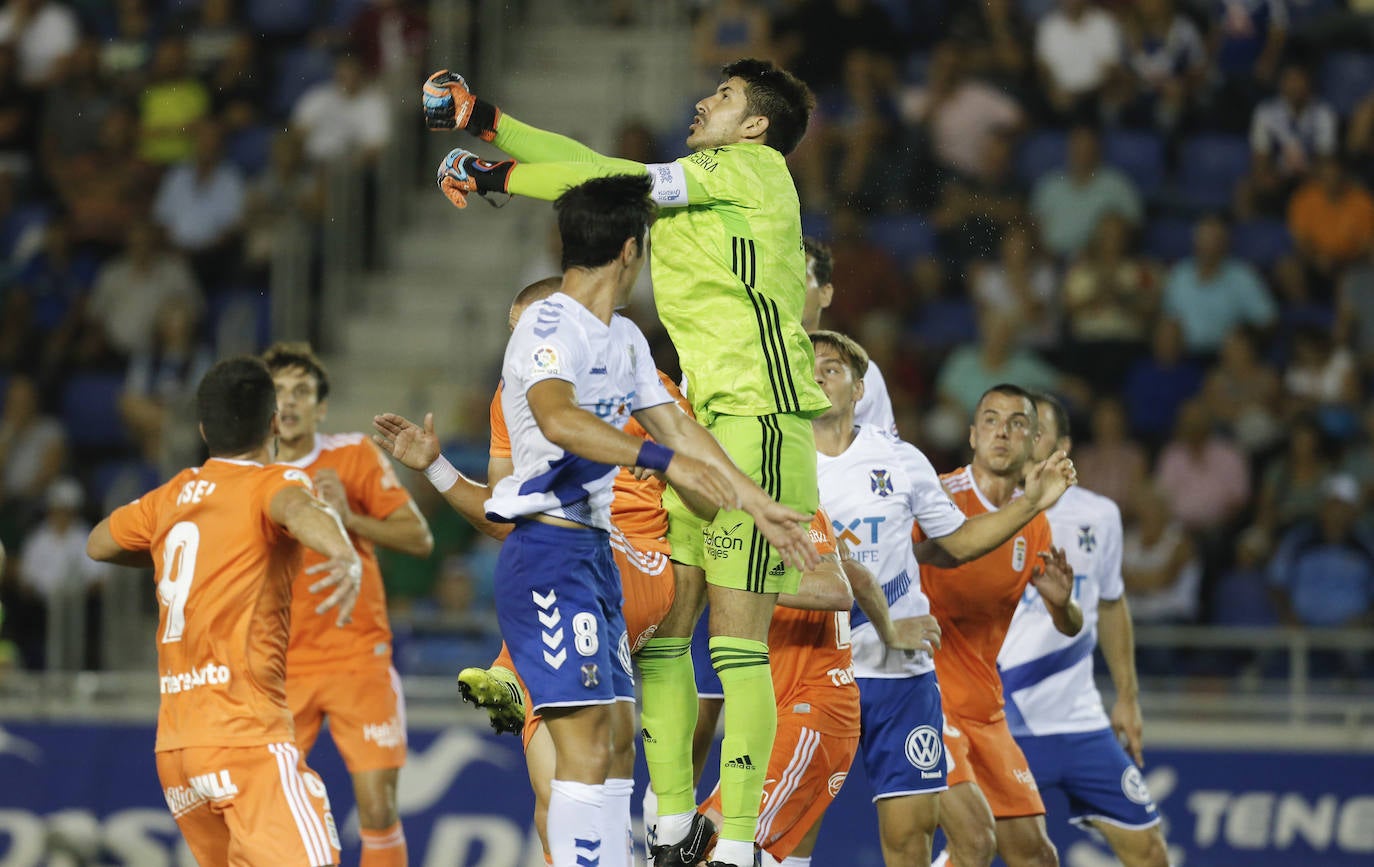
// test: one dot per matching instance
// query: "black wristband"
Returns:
(491, 177)
(483, 119)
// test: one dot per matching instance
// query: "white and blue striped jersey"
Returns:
(612, 374)
(1047, 677)
(874, 492)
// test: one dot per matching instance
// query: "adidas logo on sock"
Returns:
(743, 763)
(648, 738)
(777, 570)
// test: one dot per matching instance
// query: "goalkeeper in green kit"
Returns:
(729, 276)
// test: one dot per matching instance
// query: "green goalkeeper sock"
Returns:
(669, 718)
(751, 722)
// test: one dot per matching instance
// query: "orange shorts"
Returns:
(366, 711)
(647, 581)
(805, 773)
(987, 754)
(249, 805)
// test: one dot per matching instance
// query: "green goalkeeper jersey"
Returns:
(729, 278)
(727, 262)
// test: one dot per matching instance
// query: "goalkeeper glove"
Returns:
(449, 104)
(463, 172)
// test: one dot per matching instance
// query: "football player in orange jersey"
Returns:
(225, 540)
(992, 805)
(365, 708)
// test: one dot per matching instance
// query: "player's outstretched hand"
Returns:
(1129, 727)
(1046, 482)
(457, 176)
(916, 633)
(702, 481)
(345, 575)
(785, 529)
(416, 447)
(1053, 577)
(447, 101)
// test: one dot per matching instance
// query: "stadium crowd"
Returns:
(1157, 209)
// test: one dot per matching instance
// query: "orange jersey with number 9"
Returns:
(223, 570)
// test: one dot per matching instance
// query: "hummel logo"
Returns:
(744, 763)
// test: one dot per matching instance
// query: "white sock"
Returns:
(794, 861)
(650, 824)
(673, 827)
(574, 823)
(616, 834)
(739, 853)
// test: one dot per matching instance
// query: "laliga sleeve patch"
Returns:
(670, 184)
(545, 361)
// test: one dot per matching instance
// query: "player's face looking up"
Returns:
(722, 118)
(1004, 432)
(836, 378)
(299, 408)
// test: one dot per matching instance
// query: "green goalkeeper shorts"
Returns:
(778, 452)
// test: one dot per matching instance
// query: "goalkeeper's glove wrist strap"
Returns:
(483, 120)
(492, 177)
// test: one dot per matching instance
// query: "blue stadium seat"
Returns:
(241, 321)
(943, 324)
(1140, 155)
(905, 237)
(1210, 166)
(1261, 242)
(298, 70)
(280, 17)
(250, 149)
(1041, 153)
(90, 411)
(1347, 77)
(1168, 240)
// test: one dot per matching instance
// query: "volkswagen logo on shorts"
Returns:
(924, 748)
(1133, 786)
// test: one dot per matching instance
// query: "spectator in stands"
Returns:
(1069, 204)
(213, 36)
(44, 32)
(109, 187)
(239, 86)
(1243, 392)
(1157, 385)
(869, 275)
(1021, 283)
(1358, 460)
(1212, 292)
(345, 117)
(1288, 134)
(18, 117)
(200, 205)
(287, 189)
(635, 140)
(126, 52)
(1167, 60)
(972, 369)
(816, 40)
(1321, 378)
(726, 31)
(1201, 473)
(995, 39)
(1323, 571)
(1112, 463)
(171, 106)
(53, 560)
(133, 288)
(157, 403)
(1159, 563)
(975, 211)
(1291, 487)
(1111, 297)
(1242, 597)
(1078, 49)
(33, 447)
(1359, 139)
(1331, 218)
(962, 117)
(1355, 312)
(1247, 39)
(74, 110)
(390, 36)
(58, 280)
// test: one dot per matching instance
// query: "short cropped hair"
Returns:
(847, 348)
(778, 95)
(1008, 388)
(595, 218)
(1057, 409)
(235, 403)
(819, 251)
(285, 355)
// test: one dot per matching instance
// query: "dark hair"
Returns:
(1061, 415)
(776, 94)
(1012, 390)
(235, 403)
(284, 355)
(820, 253)
(848, 348)
(597, 217)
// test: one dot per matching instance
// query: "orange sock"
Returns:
(384, 848)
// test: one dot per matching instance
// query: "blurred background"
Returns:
(1158, 209)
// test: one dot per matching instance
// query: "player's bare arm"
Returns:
(404, 530)
(908, 633)
(317, 526)
(1116, 637)
(1053, 578)
(101, 545)
(824, 588)
(784, 528)
(1045, 483)
(417, 448)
